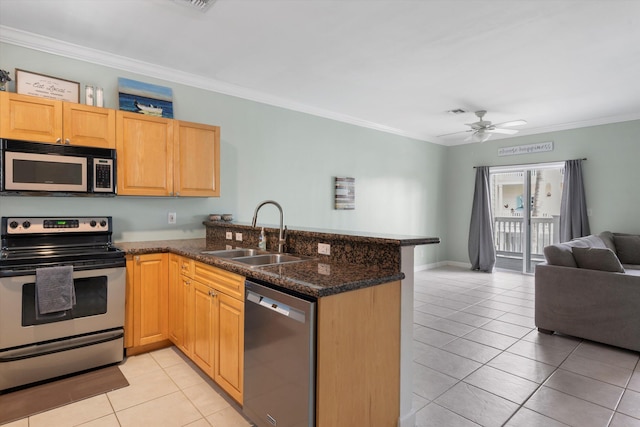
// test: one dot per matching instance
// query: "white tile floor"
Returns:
(478, 360)
(165, 389)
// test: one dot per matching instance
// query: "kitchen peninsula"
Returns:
(364, 329)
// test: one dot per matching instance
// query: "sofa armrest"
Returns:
(596, 305)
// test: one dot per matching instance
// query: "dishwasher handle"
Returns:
(275, 306)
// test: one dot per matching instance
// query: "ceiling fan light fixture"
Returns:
(480, 136)
(200, 5)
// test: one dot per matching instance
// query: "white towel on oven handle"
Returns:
(54, 289)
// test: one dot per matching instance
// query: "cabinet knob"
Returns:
(67, 141)
(187, 282)
(137, 258)
(212, 293)
(58, 141)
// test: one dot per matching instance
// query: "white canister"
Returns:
(99, 97)
(88, 95)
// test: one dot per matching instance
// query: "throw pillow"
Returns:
(607, 238)
(628, 248)
(560, 255)
(597, 259)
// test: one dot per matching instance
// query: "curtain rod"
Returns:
(526, 164)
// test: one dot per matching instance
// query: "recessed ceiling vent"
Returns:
(456, 111)
(201, 5)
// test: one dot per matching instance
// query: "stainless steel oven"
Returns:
(35, 346)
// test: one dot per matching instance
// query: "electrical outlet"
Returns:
(239, 237)
(324, 248)
(229, 235)
(171, 218)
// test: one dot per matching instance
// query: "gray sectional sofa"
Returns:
(590, 288)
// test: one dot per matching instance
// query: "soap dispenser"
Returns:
(262, 240)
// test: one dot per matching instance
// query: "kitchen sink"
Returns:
(269, 259)
(256, 258)
(233, 253)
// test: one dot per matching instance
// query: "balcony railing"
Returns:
(509, 234)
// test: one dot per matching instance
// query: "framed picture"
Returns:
(145, 98)
(345, 193)
(30, 83)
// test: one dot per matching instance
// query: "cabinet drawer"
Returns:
(224, 281)
(186, 266)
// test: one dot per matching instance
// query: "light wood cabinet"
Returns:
(180, 290)
(204, 317)
(206, 320)
(229, 337)
(145, 155)
(148, 275)
(196, 160)
(88, 126)
(36, 119)
(164, 157)
(358, 357)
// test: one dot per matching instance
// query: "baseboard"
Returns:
(441, 264)
(408, 420)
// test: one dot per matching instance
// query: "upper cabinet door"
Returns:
(197, 160)
(30, 118)
(145, 155)
(89, 126)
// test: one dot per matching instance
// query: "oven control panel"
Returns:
(40, 225)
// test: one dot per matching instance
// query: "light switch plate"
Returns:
(239, 237)
(229, 235)
(171, 218)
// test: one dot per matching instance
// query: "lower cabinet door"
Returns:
(202, 333)
(150, 288)
(229, 366)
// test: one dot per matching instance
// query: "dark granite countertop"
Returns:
(317, 278)
(355, 236)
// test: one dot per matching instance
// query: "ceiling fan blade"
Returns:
(454, 133)
(519, 122)
(503, 131)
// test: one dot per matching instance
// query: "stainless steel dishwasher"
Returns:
(279, 358)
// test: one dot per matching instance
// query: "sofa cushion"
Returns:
(597, 259)
(561, 254)
(590, 241)
(628, 248)
(608, 240)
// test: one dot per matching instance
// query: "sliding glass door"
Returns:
(526, 211)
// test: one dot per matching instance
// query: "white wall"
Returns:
(266, 153)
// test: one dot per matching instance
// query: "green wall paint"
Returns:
(611, 176)
(266, 153)
(403, 186)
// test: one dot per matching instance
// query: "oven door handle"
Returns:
(42, 349)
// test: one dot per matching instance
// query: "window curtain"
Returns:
(573, 206)
(482, 251)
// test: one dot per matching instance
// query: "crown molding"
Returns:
(73, 51)
(69, 50)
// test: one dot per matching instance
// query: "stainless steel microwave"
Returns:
(30, 167)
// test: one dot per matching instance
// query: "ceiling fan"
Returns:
(482, 129)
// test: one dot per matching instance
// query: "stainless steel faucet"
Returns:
(281, 236)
